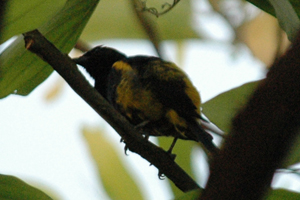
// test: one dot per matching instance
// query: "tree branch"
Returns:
(261, 136)
(39, 45)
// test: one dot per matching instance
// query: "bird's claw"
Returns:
(172, 155)
(161, 176)
(142, 125)
(126, 149)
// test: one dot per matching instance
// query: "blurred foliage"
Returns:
(14, 188)
(223, 107)
(22, 16)
(294, 155)
(258, 30)
(192, 195)
(281, 194)
(62, 23)
(267, 6)
(108, 22)
(116, 180)
(264, 38)
(287, 12)
(287, 17)
(55, 90)
(22, 71)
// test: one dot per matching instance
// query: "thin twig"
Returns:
(38, 44)
(166, 8)
(148, 25)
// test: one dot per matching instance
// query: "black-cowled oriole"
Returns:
(151, 93)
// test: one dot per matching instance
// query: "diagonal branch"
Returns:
(38, 44)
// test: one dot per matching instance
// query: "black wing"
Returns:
(170, 84)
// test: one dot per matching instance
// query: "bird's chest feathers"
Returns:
(136, 101)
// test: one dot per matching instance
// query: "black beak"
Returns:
(80, 61)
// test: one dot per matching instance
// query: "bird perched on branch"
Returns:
(153, 94)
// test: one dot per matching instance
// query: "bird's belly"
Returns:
(137, 104)
(140, 105)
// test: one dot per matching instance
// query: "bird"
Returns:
(153, 94)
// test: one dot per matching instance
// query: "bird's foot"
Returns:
(126, 147)
(161, 176)
(142, 125)
(172, 155)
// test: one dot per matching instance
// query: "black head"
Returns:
(99, 60)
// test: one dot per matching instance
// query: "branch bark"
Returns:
(261, 136)
(38, 44)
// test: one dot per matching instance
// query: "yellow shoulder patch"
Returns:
(120, 65)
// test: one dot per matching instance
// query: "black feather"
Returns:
(148, 89)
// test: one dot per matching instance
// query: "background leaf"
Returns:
(21, 71)
(222, 108)
(286, 11)
(262, 36)
(14, 188)
(294, 155)
(192, 195)
(25, 15)
(267, 6)
(108, 22)
(117, 182)
(287, 17)
(280, 194)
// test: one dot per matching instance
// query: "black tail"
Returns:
(200, 135)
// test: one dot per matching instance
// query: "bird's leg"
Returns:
(142, 124)
(126, 147)
(139, 126)
(161, 176)
(146, 137)
(173, 156)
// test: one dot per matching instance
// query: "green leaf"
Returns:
(108, 22)
(286, 11)
(282, 194)
(287, 17)
(21, 70)
(16, 189)
(116, 180)
(294, 155)
(222, 108)
(25, 15)
(267, 6)
(191, 195)
(264, 5)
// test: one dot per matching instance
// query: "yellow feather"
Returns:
(133, 98)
